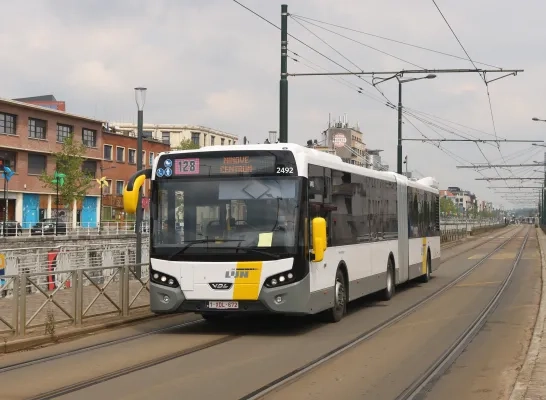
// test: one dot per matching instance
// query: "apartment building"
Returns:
(173, 134)
(29, 136)
(119, 152)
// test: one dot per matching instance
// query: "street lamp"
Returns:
(400, 82)
(140, 98)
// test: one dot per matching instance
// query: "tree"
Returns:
(69, 162)
(447, 206)
(186, 144)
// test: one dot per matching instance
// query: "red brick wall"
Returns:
(22, 144)
(124, 170)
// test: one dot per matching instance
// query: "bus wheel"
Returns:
(426, 277)
(388, 292)
(336, 313)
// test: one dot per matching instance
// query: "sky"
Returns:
(213, 63)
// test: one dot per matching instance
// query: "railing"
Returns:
(30, 260)
(70, 297)
(81, 229)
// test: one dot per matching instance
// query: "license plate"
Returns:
(219, 305)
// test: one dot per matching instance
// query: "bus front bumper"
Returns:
(289, 299)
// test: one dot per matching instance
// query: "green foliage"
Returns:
(447, 206)
(186, 144)
(69, 162)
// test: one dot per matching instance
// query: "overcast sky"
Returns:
(213, 63)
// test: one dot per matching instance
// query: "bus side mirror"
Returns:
(131, 191)
(319, 238)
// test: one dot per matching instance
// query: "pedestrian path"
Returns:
(531, 381)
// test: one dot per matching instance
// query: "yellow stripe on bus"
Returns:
(424, 258)
(247, 280)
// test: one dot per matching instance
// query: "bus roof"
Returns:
(324, 159)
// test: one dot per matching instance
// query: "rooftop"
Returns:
(21, 104)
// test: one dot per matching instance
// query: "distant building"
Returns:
(173, 134)
(347, 142)
(375, 162)
(47, 101)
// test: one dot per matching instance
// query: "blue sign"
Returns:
(8, 173)
(168, 163)
(160, 172)
(168, 172)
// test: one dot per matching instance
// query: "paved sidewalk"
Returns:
(531, 381)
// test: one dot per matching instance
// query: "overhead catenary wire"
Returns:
(389, 104)
(390, 40)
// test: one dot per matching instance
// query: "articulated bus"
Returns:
(281, 228)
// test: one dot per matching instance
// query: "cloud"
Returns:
(215, 64)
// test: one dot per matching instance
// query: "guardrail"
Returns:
(81, 229)
(32, 301)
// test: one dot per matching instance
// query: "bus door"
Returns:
(402, 265)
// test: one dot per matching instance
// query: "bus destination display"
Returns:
(229, 165)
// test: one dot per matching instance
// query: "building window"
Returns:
(229, 142)
(119, 187)
(89, 137)
(37, 163)
(107, 152)
(195, 136)
(212, 140)
(151, 158)
(166, 137)
(143, 158)
(90, 168)
(222, 141)
(107, 189)
(37, 128)
(10, 158)
(63, 132)
(120, 154)
(8, 123)
(132, 156)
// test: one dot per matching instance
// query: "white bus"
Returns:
(281, 228)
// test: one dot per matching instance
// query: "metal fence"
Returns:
(67, 256)
(31, 301)
(79, 229)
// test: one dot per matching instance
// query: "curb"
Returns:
(26, 343)
(526, 372)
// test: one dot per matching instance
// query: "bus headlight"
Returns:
(284, 278)
(163, 279)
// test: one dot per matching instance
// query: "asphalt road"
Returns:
(272, 347)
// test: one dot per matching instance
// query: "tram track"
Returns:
(67, 389)
(53, 394)
(419, 387)
(109, 343)
(438, 367)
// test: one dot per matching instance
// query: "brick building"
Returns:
(119, 149)
(29, 135)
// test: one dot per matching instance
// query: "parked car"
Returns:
(13, 228)
(47, 227)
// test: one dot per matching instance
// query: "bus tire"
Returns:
(336, 313)
(426, 277)
(388, 292)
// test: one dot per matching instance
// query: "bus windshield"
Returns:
(225, 216)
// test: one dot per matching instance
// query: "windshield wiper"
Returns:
(266, 253)
(183, 249)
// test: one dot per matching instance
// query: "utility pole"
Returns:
(283, 101)
(140, 97)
